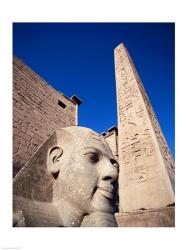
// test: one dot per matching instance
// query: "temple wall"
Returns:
(38, 109)
(111, 137)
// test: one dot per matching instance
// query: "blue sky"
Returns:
(77, 58)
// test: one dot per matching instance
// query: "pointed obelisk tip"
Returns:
(121, 45)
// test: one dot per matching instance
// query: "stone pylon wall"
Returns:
(38, 110)
(111, 137)
(146, 179)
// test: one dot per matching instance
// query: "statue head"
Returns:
(77, 173)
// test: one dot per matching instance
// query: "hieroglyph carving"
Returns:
(142, 147)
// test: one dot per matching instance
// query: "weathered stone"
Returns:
(38, 110)
(72, 175)
(99, 219)
(111, 137)
(161, 217)
(146, 179)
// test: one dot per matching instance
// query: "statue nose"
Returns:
(110, 171)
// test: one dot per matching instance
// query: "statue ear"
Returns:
(54, 162)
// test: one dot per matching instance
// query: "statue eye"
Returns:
(93, 157)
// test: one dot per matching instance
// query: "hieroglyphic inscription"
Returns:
(130, 110)
(137, 126)
(161, 140)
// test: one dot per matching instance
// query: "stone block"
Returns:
(162, 217)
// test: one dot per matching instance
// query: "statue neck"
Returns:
(71, 216)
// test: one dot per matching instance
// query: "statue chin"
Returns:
(103, 203)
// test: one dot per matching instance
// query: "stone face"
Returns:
(146, 178)
(70, 180)
(38, 110)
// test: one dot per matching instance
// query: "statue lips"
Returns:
(106, 191)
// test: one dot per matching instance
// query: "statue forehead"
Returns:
(85, 137)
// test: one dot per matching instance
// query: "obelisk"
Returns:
(146, 178)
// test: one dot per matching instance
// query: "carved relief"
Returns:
(126, 157)
(128, 105)
(147, 149)
(139, 108)
(140, 173)
(137, 153)
(144, 174)
(126, 89)
(126, 141)
(134, 137)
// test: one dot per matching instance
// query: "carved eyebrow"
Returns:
(92, 150)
